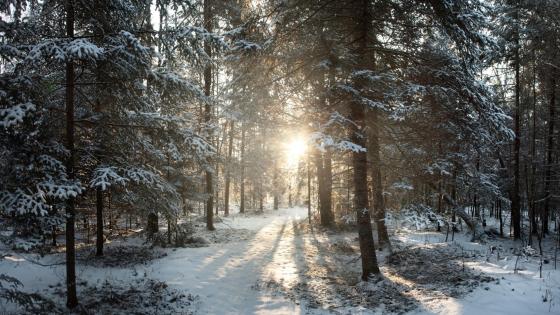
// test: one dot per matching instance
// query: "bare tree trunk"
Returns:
(323, 162)
(216, 189)
(168, 229)
(242, 185)
(359, 158)
(515, 200)
(262, 131)
(327, 198)
(308, 190)
(152, 226)
(99, 135)
(500, 217)
(99, 216)
(53, 232)
(290, 195)
(359, 161)
(378, 202)
(228, 169)
(533, 209)
(529, 206)
(276, 200)
(71, 296)
(549, 159)
(324, 183)
(208, 115)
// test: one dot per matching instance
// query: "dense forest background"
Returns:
(137, 114)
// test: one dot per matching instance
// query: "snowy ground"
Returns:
(520, 291)
(274, 264)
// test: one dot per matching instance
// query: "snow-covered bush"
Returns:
(420, 217)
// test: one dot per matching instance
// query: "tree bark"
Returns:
(289, 195)
(262, 131)
(324, 183)
(500, 217)
(228, 169)
(208, 115)
(308, 189)
(276, 200)
(532, 204)
(515, 199)
(152, 225)
(53, 232)
(359, 158)
(549, 159)
(99, 217)
(242, 185)
(71, 296)
(99, 30)
(378, 201)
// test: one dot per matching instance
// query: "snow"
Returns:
(82, 48)
(14, 115)
(522, 292)
(516, 294)
(21, 202)
(105, 176)
(60, 191)
(262, 273)
(224, 274)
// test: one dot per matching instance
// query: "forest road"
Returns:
(240, 277)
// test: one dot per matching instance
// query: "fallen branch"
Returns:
(478, 231)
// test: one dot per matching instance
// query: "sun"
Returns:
(295, 149)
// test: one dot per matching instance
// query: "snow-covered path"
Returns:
(225, 275)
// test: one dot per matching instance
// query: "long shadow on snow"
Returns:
(233, 261)
(435, 270)
(330, 280)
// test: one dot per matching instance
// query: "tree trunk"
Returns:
(500, 217)
(289, 195)
(327, 173)
(152, 226)
(275, 186)
(533, 210)
(359, 157)
(169, 229)
(378, 202)
(549, 159)
(99, 30)
(261, 198)
(53, 232)
(359, 161)
(276, 200)
(515, 200)
(242, 185)
(228, 170)
(71, 296)
(99, 217)
(324, 183)
(262, 132)
(308, 190)
(216, 200)
(208, 115)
